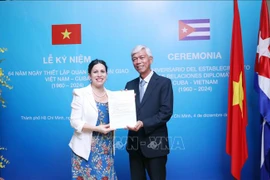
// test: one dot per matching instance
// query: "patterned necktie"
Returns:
(142, 89)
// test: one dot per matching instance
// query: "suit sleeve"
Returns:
(76, 111)
(126, 86)
(165, 109)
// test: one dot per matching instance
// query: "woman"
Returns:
(92, 141)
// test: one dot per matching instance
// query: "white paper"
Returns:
(122, 109)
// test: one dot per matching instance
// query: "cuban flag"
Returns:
(262, 86)
(194, 29)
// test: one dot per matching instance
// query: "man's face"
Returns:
(142, 62)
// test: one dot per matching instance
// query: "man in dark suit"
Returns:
(148, 140)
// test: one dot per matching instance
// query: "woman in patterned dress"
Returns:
(92, 141)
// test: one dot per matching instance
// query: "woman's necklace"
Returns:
(101, 96)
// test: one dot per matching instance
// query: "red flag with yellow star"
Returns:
(66, 34)
(236, 143)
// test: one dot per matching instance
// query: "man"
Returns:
(148, 140)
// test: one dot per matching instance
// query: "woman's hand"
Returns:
(104, 128)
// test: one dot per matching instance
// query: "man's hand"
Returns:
(136, 128)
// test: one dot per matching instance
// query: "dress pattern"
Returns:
(100, 165)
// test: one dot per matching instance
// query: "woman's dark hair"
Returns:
(94, 62)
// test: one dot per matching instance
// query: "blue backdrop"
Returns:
(35, 129)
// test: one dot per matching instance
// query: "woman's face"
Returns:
(98, 75)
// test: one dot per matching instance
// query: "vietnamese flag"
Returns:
(236, 143)
(66, 34)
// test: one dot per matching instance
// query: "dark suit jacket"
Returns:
(154, 111)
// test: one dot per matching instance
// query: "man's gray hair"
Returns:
(139, 48)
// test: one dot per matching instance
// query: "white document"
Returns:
(122, 109)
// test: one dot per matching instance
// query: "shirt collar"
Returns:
(148, 77)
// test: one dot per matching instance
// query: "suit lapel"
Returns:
(90, 97)
(137, 92)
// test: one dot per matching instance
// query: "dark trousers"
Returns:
(155, 167)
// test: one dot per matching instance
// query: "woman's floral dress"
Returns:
(100, 165)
